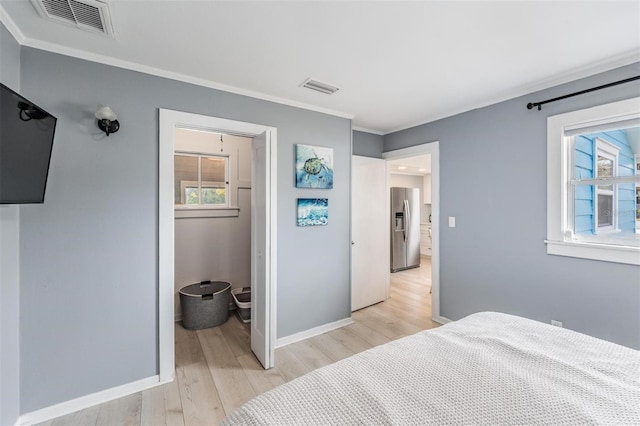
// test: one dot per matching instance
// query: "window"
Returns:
(201, 180)
(606, 166)
(638, 194)
(591, 183)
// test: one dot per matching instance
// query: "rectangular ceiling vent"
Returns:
(319, 86)
(91, 15)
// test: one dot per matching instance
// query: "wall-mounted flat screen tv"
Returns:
(26, 139)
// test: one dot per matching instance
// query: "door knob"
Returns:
(353, 243)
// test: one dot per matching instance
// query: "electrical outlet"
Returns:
(452, 221)
(556, 323)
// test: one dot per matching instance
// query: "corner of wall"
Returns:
(10, 57)
(9, 314)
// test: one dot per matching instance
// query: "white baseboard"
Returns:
(284, 341)
(87, 401)
(440, 320)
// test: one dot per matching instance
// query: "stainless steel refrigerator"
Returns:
(405, 228)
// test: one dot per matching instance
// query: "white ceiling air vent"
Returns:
(88, 15)
(319, 86)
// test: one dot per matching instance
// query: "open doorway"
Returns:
(262, 223)
(212, 198)
(418, 167)
(409, 189)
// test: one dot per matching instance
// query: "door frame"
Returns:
(169, 121)
(432, 148)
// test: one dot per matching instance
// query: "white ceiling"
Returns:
(397, 64)
(417, 165)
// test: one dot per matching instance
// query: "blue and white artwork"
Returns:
(314, 167)
(313, 211)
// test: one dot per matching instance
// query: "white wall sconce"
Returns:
(107, 120)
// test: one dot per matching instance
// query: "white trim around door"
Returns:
(169, 121)
(432, 148)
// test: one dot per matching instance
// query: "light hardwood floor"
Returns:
(216, 371)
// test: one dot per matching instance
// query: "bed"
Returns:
(487, 368)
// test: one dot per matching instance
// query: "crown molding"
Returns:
(365, 130)
(11, 26)
(608, 64)
(158, 72)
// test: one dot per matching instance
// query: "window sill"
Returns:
(603, 252)
(607, 231)
(204, 212)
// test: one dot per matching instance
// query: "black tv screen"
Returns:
(26, 139)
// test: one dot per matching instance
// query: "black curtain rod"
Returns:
(530, 105)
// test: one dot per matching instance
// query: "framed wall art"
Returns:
(314, 167)
(313, 211)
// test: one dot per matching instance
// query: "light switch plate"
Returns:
(452, 221)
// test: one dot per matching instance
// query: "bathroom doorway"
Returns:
(212, 187)
(260, 202)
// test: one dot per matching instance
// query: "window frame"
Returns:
(605, 149)
(206, 184)
(559, 172)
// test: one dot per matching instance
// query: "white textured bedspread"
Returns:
(488, 369)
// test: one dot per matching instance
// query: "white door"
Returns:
(369, 228)
(261, 321)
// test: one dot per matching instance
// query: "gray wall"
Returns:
(9, 59)
(493, 179)
(9, 251)
(367, 144)
(89, 253)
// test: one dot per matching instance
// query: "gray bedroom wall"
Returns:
(493, 180)
(89, 253)
(9, 267)
(9, 59)
(367, 144)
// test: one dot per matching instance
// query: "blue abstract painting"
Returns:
(314, 167)
(313, 211)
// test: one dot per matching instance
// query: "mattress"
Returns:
(488, 368)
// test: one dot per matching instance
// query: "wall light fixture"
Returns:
(107, 120)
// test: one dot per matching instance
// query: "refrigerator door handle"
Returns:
(407, 216)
